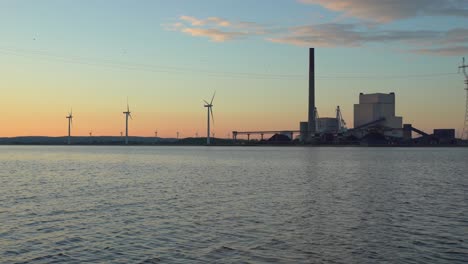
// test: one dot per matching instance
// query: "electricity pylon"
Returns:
(465, 126)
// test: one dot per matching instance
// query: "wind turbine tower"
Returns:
(209, 107)
(465, 127)
(127, 115)
(70, 122)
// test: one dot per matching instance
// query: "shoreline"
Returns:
(245, 145)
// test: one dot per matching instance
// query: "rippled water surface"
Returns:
(233, 205)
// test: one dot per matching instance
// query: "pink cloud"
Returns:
(388, 10)
(216, 21)
(217, 29)
(214, 34)
(450, 42)
(192, 20)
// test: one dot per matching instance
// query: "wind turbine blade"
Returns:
(206, 102)
(130, 115)
(212, 98)
(212, 117)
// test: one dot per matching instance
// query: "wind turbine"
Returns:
(127, 114)
(209, 106)
(70, 122)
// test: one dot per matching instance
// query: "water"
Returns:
(233, 205)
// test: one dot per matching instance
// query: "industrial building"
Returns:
(446, 134)
(375, 121)
(327, 125)
(376, 112)
(377, 106)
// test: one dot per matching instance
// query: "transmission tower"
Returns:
(465, 127)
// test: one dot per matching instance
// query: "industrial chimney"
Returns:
(311, 121)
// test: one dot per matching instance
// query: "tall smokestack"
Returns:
(311, 121)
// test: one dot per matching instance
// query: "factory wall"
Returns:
(304, 130)
(327, 125)
(372, 107)
(396, 133)
(444, 133)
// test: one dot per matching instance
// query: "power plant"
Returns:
(375, 122)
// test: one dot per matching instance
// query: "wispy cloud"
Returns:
(444, 51)
(389, 10)
(333, 35)
(217, 21)
(215, 35)
(217, 29)
(451, 42)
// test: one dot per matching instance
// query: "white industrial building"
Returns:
(377, 106)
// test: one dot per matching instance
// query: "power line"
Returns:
(141, 66)
(122, 65)
(408, 76)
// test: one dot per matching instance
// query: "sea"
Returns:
(168, 204)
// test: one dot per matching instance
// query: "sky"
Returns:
(165, 57)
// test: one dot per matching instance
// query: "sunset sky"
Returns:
(167, 56)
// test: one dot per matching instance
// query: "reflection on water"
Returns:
(256, 205)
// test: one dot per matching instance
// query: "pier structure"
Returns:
(262, 134)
